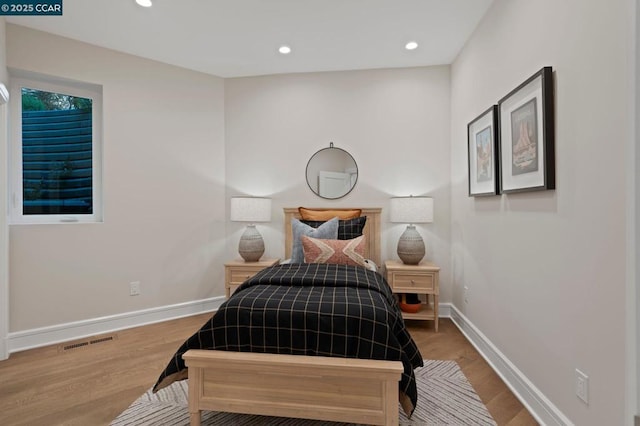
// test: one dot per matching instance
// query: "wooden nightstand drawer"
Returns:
(238, 276)
(238, 271)
(411, 282)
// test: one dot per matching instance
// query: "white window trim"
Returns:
(89, 91)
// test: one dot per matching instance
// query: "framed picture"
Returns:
(527, 157)
(482, 144)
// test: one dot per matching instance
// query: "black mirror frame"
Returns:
(307, 171)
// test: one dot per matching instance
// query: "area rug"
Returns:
(445, 397)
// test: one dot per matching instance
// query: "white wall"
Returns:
(4, 230)
(395, 123)
(163, 180)
(633, 286)
(3, 51)
(546, 270)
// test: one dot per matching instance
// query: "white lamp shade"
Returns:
(250, 209)
(411, 210)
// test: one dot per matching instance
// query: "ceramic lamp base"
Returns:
(411, 247)
(251, 246)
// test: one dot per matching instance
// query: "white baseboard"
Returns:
(37, 337)
(540, 407)
(444, 310)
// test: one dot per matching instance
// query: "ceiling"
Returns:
(235, 38)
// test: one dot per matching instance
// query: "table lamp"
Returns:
(251, 209)
(410, 210)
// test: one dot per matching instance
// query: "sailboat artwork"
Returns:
(524, 140)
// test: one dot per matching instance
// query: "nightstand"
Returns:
(418, 279)
(238, 271)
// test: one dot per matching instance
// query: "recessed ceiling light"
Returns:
(285, 50)
(411, 45)
(144, 3)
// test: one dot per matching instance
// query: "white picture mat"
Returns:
(488, 186)
(525, 180)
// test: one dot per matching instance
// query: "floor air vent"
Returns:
(101, 340)
(85, 343)
(75, 346)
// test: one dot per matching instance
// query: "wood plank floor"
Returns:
(91, 385)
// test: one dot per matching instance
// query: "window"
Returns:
(56, 151)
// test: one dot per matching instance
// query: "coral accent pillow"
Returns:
(311, 214)
(341, 252)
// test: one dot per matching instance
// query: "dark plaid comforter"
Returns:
(309, 309)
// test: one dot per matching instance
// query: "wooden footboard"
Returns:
(309, 387)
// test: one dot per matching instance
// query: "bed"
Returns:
(315, 341)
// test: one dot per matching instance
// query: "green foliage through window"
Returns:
(57, 152)
(40, 100)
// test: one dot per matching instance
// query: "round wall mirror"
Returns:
(332, 173)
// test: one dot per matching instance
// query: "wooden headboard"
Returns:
(371, 230)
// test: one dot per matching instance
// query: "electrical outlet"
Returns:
(466, 294)
(582, 386)
(134, 288)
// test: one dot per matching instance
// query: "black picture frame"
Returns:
(527, 135)
(483, 133)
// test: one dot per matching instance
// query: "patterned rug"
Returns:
(445, 397)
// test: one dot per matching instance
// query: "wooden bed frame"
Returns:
(309, 387)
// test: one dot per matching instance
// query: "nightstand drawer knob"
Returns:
(413, 282)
